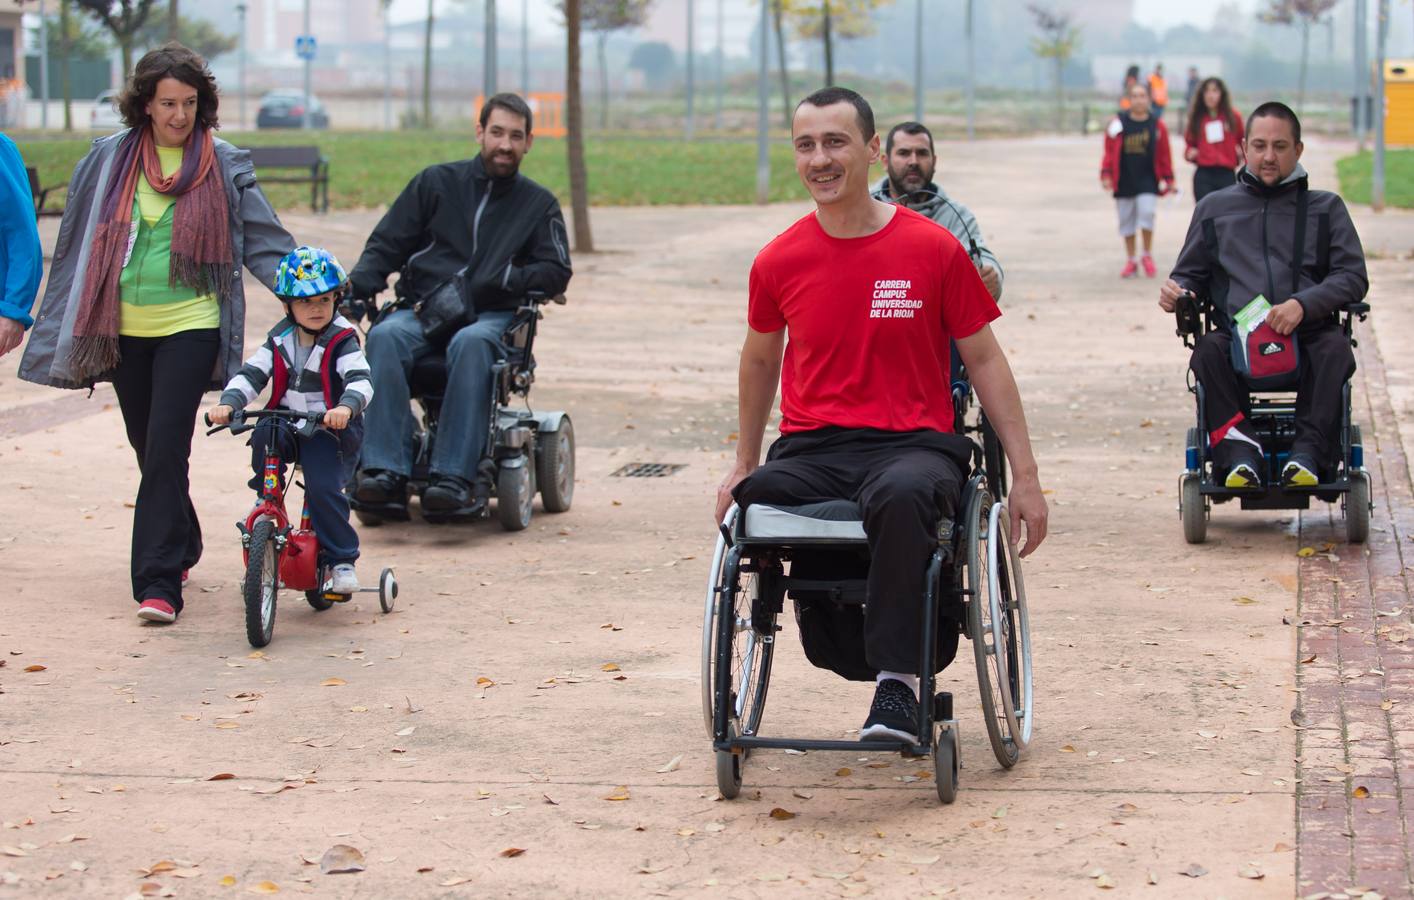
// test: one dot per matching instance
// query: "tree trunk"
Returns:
(1305, 49)
(574, 127)
(427, 68)
(66, 52)
(173, 20)
(781, 60)
(1060, 94)
(829, 49)
(125, 43)
(600, 40)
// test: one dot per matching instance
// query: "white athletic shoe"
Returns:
(343, 580)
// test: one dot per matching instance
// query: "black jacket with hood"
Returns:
(1243, 239)
(510, 231)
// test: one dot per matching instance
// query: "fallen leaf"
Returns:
(1193, 871)
(1308, 660)
(1305, 552)
(1152, 878)
(782, 814)
(801, 795)
(845, 772)
(328, 682)
(672, 765)
(1105, 882)
(1067, 748)
(686, 832)
(12, 851)
(485, 682)
(264, 887)
(1251, 872)
(453, 882)
(620, 793)
(35, 668)
(405, 732)
(188, 872)
(1360, 793)
(1243, 601)
(609, 667)
(341, 859)
(227, 725)
(221, 776)
(924, 860)
(512, 851)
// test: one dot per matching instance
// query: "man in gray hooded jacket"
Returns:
(911, 162)
(1241, 244)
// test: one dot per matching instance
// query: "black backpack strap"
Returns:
(1298, 252)
(1323, 246)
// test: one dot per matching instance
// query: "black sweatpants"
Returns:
(904, 482)
(1327, 362)
(159, 383)
(1207, 179)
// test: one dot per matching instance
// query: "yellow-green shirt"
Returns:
(150, 306)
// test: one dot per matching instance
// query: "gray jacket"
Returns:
(953, 216)
(257, 239)
(1241, 241)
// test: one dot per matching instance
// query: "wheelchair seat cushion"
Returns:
(831, 520)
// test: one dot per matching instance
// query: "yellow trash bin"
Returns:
(1399, 102)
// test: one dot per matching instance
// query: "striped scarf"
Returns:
(201, 240)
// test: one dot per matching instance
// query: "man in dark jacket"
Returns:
(508, 233)
(1240, 245)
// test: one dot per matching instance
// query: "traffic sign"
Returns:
(305, 46)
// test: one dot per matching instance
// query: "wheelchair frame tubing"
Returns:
(927, 678)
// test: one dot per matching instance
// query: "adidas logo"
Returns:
(1270, 348)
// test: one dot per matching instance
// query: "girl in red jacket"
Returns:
(1213, 138)
(1137, 169)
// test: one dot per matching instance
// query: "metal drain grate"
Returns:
(647, 470)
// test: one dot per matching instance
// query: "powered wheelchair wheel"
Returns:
(515, 493)
(554, 466)
(1193, 508)
(1000, 628)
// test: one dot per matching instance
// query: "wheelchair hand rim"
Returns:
(709, 611)
(998, 527)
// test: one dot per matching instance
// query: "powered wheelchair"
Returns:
(526, 450)
(973, 586)
(1272, 418)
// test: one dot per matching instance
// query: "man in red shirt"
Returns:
(869, 295)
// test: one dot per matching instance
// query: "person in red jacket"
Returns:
(1213, 138)
(1137, 168)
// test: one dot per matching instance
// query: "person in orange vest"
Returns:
(1158, 90)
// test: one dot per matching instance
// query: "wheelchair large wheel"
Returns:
(1000, 628)
(515, 493)
(1193, 508)
(262, 583)
(1357, 508)
(554, 467)
(715, 577)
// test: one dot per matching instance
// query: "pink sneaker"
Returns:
(1130, 270)
(156, 610)
(1149, 270)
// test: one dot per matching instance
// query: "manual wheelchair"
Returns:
(974, 584)
(526, 451)
(1272, 418)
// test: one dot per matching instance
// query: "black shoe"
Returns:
(381, 486)
(893, 714)
(448, 494)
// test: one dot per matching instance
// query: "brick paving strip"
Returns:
(1355, 675)
(44, 414)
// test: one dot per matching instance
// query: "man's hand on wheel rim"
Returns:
(724, 490)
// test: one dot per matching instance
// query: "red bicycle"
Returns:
(275, 554)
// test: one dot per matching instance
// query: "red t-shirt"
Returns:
(1217, 143)
(869, 322)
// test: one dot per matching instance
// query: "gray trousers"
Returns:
(394, 344)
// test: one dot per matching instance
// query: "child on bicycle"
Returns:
(316, 364)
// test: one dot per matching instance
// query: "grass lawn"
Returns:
(1355, 173)
(369, 169)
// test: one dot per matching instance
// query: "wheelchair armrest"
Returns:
(1358, 308)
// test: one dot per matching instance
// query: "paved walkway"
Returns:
(1356, 676)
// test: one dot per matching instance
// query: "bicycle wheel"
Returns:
(999, 626)
(262, 583)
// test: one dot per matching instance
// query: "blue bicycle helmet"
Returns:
(308, 272)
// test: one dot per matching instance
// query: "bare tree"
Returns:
(123, 18)
(827, 19)
(174, 21)
(1305, 13)
(574, 128)
(777, 13)
(604, 17)
(1059, 41)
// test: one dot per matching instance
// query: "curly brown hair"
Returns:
(171, 60)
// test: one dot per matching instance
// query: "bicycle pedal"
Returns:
(338, 598)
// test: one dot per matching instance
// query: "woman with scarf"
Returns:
(145, 291)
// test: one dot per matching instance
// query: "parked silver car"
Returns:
(105, 116)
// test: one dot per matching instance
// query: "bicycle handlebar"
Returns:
(238, 423)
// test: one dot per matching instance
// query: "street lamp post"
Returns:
(688, 126)
(918, 61)
(763, 101)
(1377, 177)
(387, 69)
(43, 67)
(240, 61)
(489, 78)
(971, 75)
(1362, 75)
(525, 46)
(308, 122)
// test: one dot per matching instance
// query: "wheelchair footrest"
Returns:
(760, 743)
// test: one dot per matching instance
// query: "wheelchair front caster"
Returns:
(1357, 508)
(515, 493)
(1193, 508)
(945, 763)
(729, 770)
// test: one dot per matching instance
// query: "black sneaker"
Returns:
(449, 494)
(381, 486)
(893, 714)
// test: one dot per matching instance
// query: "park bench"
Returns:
(41, 194)
(308, 158)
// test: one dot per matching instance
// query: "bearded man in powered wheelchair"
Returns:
(1265, 289)
(864, 512)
